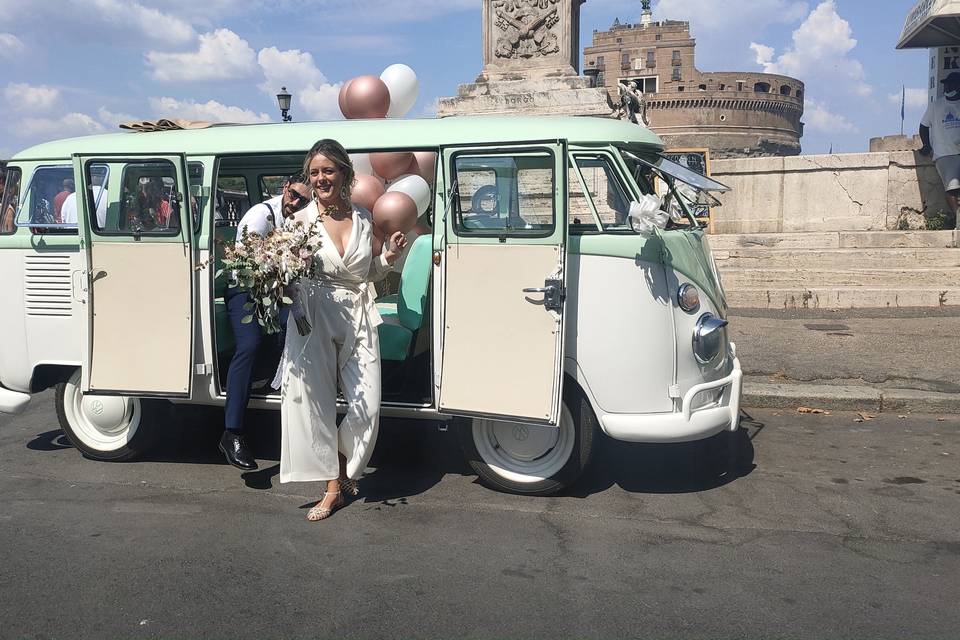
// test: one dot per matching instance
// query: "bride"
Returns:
(343, 343)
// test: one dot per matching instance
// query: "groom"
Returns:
(260, 219)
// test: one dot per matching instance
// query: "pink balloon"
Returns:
(424, 165)
(367, 97)
(342, 100)
(390, 165)
(395, 211)
(366, 191)
(377, 240)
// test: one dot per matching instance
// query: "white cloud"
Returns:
(820, 52)
(293, 69)
(71, 124)
(430, 109)
(211, 110)
(916, 99)
(222, 55)
(26, 97)
(10, 46)
(111, 119)
(296, 70)
(818, 117)
(714, 16)
(152, 23)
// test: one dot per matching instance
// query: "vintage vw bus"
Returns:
(532, 317)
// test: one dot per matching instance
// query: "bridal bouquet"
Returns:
(269, 268)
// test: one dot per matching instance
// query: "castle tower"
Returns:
(734, 114)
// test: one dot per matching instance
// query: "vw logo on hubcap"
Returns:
(97, 407)
(521, 433)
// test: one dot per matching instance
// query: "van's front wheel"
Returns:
(530, 459)
(105, 428)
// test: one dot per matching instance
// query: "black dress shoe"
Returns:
(235, 449)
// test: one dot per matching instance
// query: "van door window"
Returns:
(505, 195)
(271, 186)
(50, 205)
(607, 191)
(233, 198)
(9, 200)
(150, 202)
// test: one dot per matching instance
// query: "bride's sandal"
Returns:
(320, 512)
(350, 486)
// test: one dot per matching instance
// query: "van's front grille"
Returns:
(47, 287)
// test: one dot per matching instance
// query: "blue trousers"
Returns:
(249, 338)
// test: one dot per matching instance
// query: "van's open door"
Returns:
(505, 225)
(134, 223)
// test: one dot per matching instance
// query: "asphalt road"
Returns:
(835, 529)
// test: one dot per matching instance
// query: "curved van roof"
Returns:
(353, 134)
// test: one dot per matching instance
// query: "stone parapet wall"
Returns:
(840, 192)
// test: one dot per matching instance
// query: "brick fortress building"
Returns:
(734, 114)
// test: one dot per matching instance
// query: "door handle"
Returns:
(553, 294)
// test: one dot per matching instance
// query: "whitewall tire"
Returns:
(531, 459)
(108, 428)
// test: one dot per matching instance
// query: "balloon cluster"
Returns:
(395, 186)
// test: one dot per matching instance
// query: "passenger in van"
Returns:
(68, 212)
(68, 188)
(260, 219)
(343, 345)
(7, 216)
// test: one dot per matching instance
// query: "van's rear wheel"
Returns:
(106, 428)
(530, 459)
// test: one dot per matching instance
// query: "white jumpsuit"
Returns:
(343, 344)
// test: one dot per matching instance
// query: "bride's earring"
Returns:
(344, 194)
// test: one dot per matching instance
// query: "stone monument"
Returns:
(531, 61)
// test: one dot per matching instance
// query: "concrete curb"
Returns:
(847, 398)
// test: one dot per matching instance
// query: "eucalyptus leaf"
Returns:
(248, 306)
(247, 319)
(286, 300)
(266, 301)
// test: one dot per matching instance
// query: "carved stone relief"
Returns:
(526, 28)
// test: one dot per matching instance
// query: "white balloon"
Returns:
(415, 187)
(404, 88)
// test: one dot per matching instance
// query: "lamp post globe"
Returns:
(283, 99)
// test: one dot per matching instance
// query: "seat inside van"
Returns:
(403, 311)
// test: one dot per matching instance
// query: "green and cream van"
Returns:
(531, 318)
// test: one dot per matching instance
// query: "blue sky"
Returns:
(90, 64)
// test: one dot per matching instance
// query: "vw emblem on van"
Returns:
(96, 407)
(521, 433)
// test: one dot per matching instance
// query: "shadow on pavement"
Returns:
(50, 441)
(686, 467)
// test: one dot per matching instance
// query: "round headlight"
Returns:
(688, 297)
(709, 338)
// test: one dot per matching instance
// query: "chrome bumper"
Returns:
(684, 425)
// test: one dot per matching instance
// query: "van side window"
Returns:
(50, 205)
(607, 192)
(233, 199)
(149, 202)
(505, 195)
(9, 201)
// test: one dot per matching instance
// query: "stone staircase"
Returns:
(840, 269)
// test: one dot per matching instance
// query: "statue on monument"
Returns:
(646, 5)
(633, 103)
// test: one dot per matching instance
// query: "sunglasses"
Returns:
(296, 196)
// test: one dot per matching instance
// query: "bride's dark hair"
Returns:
(333, 151)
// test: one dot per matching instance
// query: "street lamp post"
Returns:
(283, 99)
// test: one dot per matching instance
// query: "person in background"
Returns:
(940, 134)
(68, 211)
(68, 188)
(260, 219)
